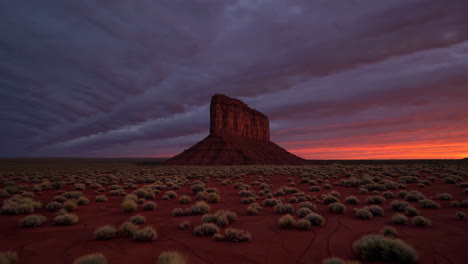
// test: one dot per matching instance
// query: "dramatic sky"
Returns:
(342, 79)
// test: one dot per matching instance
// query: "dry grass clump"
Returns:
(428, 203)
(213, 197)
(337, 208)
(200, 208)
(184, 225)
(315, 219)
(375, 199)
(149, 206)
(145, 234)
(185, 199)
(287, 221)
(220, 218)
(399, 205)
(421, 221)
(412, 211)
(127, 229)
(206, 229)
(19, 205)
(82, 201)
(303, 224)
(69, 205)
(66, 219)
(399, 219)
(375, 210)
(101, 198)
(253, 209)
(284, 208)
(363, 214)
(105, 232)
(460, 215)
(138, 219)
(96, 258)
(32, 221)
(444, 196)
(172, 257)
(352, 200)
(129, 206)
(8, 257)
(389, 231)
(382, 248)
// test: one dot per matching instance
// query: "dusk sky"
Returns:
(343, 79)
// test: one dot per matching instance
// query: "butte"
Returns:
(239, 135)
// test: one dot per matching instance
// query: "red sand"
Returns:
(444, 242)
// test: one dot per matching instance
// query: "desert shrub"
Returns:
(101, 198)
(450, 180)
(270, 202)
(399, 219)
(463, 184)
(19, 205)
(145, 234)
(375, 210)
(402, 194)
(96, 258)
(200, 208)
(171, 194)
(253, 209)
(409, 179)
(363, 214)
(172, 257)
(389, 231)
(375, 199)
(66, 219)
(198, 187)
(284, 209)
(72, 195)
(237, 235)
(32, 221)
(206, 229)
(315, 189)
(178, 212)
(444, 196)
(329, 199)
(82, 201)
(105, 232)
(53, 206)
(149, 206)
(301, 212)
(69, 205)
(421, 221)
(414, 196)
(337, 208)
(8, 257)
(293, 199)
(212, 198)
(399, 205)
(315, 219)
(303, 224)
(185, 199)
(352, 200)
(412, 211)
(388, 195)
(428, 203)
(138, 219)
(460, 215)
(147, 193)
(381, 248)
(363, 191)
(117, 192)
(129, 206)
(184, 225)
(286, 221)
(127, 229)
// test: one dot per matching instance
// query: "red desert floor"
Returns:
(444, 242)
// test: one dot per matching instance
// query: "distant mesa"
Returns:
(239, 135)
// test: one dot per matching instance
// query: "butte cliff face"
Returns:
(238, 135)
(232, 117)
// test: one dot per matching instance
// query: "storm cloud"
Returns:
(338, 79)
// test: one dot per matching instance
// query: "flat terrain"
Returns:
(444, 241)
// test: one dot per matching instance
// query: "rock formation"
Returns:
(232, 117)
(238, 135)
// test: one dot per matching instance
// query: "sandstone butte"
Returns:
(239, 135)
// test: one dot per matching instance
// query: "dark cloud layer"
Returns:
(338, 79)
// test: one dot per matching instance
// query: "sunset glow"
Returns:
(337, 79)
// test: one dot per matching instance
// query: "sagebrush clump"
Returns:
(382, 248)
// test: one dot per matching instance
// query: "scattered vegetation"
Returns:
(33, 220)
(382, 248)
(105, 232)
(96, 258)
